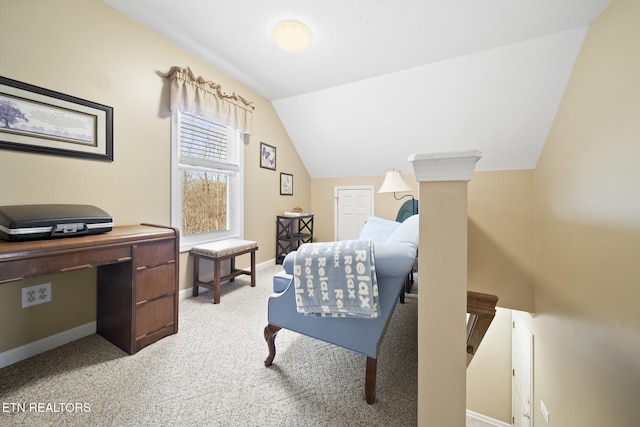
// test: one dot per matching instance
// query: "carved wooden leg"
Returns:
(270, 332)
(370, 380)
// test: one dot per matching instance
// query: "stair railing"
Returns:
(481, 309)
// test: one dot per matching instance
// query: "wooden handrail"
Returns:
(482, 309)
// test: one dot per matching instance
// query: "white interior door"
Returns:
(353, 206)
(522, 373)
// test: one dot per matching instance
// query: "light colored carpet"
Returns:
(212, 373)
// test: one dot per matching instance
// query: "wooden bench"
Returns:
(218, 252)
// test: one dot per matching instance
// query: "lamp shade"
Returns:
(393, 183)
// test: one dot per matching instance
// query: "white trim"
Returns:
(454, 166)
(486, 419)
(188, 292)
(235, 196)
(185, 293)
(265, 264)
(15, 355)
(26, 351)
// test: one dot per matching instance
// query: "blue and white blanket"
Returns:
(336, 279)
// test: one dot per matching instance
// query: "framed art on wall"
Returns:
(38, 120)
(267, 156)
(286, 184)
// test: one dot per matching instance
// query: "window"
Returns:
(206, 172)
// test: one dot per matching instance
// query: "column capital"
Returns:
(451, 166)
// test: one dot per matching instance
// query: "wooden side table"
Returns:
(218, 252)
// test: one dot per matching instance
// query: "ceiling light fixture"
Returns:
(291, 36)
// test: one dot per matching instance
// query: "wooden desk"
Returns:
(137, 302)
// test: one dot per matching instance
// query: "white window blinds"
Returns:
(207, 144)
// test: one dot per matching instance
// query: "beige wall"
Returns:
(586, 228)
(580, 207)
(322, 201)
(86, 49)
(586, 222)
(501, 260)
(500, 228)
(489, 373)
(587, 203)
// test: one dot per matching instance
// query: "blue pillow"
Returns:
(408, 232)
(378, 229)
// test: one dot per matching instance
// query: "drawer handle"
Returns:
(145, 267)
(77, 267)
(11, 280)
(148, 300)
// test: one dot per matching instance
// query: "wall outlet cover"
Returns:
(36, 294)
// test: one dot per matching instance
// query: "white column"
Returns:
(442, 304)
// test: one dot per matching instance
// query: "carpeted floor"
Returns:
(212, 373)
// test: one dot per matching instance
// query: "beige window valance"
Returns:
(201, 97)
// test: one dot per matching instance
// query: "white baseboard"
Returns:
(14, 355)
(268, 263)
(486, 419)
(29, 350)
(188, 292)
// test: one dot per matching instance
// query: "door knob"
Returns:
(526, 415)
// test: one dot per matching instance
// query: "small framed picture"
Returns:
(286, 184)
(267, 156)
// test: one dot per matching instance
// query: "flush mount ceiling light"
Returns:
(291, 36)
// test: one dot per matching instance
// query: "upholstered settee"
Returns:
(395, 248)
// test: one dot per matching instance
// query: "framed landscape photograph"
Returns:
(267, 156)
(38, 120)
(286, 184)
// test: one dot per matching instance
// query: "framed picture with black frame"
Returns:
(286, 184)
(39, 120)
(267, 156)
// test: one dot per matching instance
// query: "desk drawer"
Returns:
(155, 253)
(155, 315)
(63, 262)
(155, 282)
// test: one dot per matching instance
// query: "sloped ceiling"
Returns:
(389, 78)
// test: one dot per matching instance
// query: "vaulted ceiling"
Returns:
(384, 79)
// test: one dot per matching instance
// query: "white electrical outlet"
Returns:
(545, 412)
(36, 294)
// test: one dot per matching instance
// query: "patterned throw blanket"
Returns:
(336, 279)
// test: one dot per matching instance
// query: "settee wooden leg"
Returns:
(370, 380)
(270, 333)
(409, 282)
